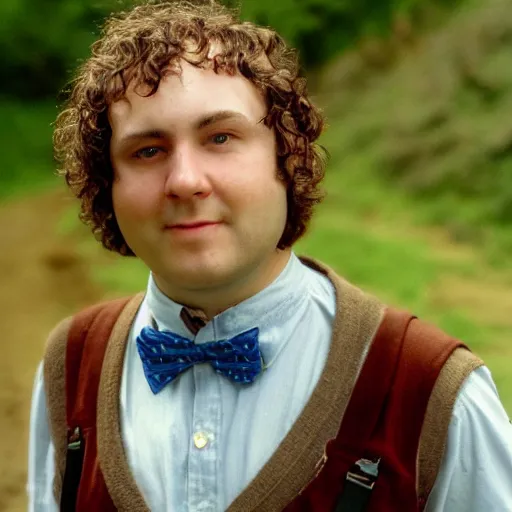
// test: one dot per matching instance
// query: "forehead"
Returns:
(183, 98)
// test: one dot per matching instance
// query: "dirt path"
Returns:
(42, 280)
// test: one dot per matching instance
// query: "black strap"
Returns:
(358, 488)
(73, 471)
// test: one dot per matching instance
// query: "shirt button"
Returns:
(200, 440)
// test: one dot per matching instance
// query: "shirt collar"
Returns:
(268, 310)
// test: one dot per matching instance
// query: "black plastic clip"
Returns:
(359, 484)
(73, 473)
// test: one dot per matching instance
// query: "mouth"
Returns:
(192, 226)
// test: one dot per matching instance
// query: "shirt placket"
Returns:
(204, 440)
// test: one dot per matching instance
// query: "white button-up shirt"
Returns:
(198, 443)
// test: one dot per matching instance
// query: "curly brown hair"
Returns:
(135, 48)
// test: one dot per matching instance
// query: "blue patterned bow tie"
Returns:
(165, 355)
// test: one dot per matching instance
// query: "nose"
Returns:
(186, 177)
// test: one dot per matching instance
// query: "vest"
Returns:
(373, 432)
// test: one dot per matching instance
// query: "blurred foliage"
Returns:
(437, 125)
(41, 41)
(26, 135)
(44, 39)
(323, 28)
(428, 111)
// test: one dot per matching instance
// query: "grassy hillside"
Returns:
(436, 125)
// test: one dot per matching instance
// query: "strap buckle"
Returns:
(75, 439)
(359, 483)
(364, 473)
(73, 472)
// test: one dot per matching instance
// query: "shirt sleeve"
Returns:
(41, 452)
(476, 471)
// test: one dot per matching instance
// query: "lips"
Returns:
(192, 225)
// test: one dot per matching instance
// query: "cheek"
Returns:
(132, 199)
(255, 174)
(263, 200)
(124, 202)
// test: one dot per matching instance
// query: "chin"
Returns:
(201, 274)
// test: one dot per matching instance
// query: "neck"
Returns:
(214, 300)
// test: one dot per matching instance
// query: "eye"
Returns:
(147, 153)
(220, 138)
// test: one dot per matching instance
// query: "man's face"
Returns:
(196, 193)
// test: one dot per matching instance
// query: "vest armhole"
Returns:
(54, 371)
(438, 415)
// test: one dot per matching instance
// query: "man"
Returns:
(190, 140)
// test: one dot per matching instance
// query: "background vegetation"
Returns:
(418, 94)
(430, 104)
(43, 39)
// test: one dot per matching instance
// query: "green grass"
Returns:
(434, 125)
(370, 233)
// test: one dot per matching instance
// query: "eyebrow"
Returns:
(203, 122)
(221, 115)
(135, 136)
